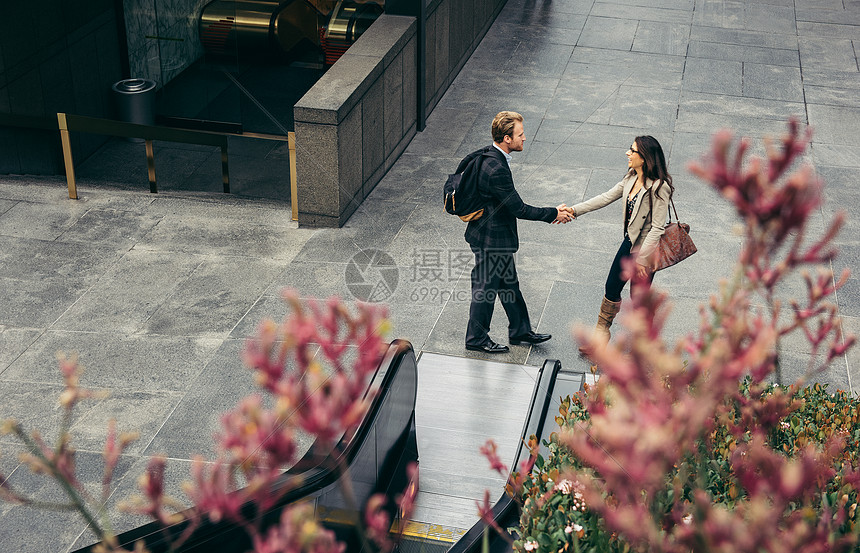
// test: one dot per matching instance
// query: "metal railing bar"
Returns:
(27, 121)
(95, 125)
(81, 123)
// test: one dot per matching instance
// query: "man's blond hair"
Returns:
(503, 125)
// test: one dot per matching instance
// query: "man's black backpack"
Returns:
(461, 194)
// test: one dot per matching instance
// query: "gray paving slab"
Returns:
(831, 13)
(835, 124)
(808, 28)
(756, 54)
(538, 60)
(678, 13)
(216, 388)
(661, 37)
(157, 293)
(620, 66)
(13, 341)
(16, 532)
(819, 52)
(608, 32)
(115, 361)
(774, 82)
(837, 155)
(129, 293)
(831, 96)
(175, 475)
(40, 222)
(35, 406)
(710, 33)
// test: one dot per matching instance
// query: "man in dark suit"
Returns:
(493, 239)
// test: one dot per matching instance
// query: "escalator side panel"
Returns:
(356, 456)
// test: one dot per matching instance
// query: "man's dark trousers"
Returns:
(495, 275)
(493, 239)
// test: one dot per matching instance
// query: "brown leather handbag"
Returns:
(675, 244)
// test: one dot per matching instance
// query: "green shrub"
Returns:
(555, 517)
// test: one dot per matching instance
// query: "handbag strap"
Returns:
(671, 202)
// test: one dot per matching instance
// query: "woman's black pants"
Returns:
(615, 281)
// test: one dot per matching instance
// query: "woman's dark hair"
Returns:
(655, 162)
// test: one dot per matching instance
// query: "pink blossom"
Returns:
(214, 491)
(378, 523)
(298, 532)
(488, 450)
(485, 512)
(406, 501)
(112, 450)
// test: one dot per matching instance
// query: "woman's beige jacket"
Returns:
(643, 229)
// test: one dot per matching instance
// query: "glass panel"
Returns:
(244, 63)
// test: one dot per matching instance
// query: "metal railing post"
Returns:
(150, 166)
(294, 201)
(225, 170)
(67, 156)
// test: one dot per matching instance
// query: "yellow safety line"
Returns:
(435, 532)
(412, 529)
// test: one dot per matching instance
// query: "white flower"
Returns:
(571, 528)
(530, 545)
(687, 519)
(565, 486)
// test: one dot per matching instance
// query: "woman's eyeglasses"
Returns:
(632, 151)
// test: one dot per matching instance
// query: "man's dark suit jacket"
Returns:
(497, 229)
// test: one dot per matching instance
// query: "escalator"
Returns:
(551, 384)
(376, 455)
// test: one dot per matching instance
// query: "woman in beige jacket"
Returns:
(647, 187)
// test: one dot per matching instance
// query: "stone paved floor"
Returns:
(157, 292)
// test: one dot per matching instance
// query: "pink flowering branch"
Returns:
(377, 519)
(298, 532)
(58, 462)
(654, 404)
(489, 450)
(316, 365)
(333, 351)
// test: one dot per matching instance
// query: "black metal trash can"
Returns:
(135, 102)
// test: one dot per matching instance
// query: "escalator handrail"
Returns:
(316, 476)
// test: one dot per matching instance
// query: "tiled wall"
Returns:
(454, 29)
(55, 56)
(162, 36)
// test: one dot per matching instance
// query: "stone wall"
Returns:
(162, 37)
(356, 121)
(454, 28)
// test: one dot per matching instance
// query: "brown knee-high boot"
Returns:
(608, 310)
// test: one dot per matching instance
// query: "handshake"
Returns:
(565, 215)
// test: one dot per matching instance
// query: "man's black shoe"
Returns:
(530, 338)
(489, 347)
